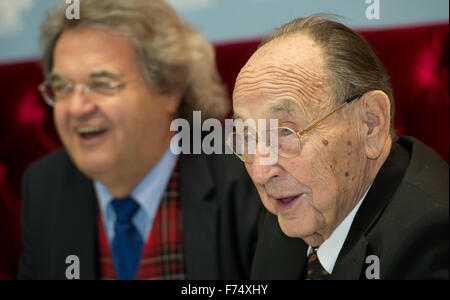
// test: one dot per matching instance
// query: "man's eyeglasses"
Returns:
(57, 88)
(289, 141)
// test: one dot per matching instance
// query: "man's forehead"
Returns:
(294, 48)
(92, 50)
(284, 76)
(293, 60)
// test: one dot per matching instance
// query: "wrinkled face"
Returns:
(313, 192)
(109, 136)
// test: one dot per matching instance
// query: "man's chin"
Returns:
(290, 228)
(314, 240)
(294, 229)
(93, 168)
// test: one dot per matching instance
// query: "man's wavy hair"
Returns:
(352, 66)
(172, 55)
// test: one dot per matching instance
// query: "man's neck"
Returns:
(121, 183)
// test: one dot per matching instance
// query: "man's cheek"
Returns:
(61, 121)
(317, 170)
(268, 204)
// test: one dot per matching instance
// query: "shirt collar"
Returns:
(149, 191)
(329, 250)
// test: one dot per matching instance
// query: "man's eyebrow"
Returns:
(93, 75)
(104, 73)
(283, 106)
(55, 76)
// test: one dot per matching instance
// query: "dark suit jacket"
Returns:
(404, 220)
(219, 204)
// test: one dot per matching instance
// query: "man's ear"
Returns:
(376, 118)
(172, 102)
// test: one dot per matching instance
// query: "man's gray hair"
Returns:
(352, 66)
(172, 55)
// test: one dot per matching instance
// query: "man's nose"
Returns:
(80, 102)
(260, 170)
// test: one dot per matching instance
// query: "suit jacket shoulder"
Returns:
(221, 209)
(58, 219)
(411, 235)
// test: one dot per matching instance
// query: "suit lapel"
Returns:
(75, 227)
(200, 218)
(349, 266)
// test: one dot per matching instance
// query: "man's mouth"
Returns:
(284, 204)
(90, 133)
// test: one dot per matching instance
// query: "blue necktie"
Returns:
(127, 243)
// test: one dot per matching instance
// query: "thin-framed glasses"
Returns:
(57, 88)
(288, 141)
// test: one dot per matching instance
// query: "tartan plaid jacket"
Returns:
(219, 205)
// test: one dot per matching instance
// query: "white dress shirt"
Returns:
(148, 193)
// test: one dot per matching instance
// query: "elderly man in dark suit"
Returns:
(116, 202)
(347, 198)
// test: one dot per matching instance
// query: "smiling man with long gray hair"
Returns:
(115, 197)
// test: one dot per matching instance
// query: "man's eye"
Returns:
(102, 85)
(283, 132)
(60, 87)
(248, 138)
